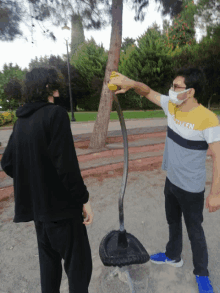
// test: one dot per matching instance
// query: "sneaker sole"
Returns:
(171, 263)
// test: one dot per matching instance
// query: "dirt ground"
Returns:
(144, 213)
(20, 270)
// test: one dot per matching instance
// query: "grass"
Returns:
(91, 116)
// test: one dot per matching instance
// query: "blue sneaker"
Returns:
(204, 284)
(160, 258)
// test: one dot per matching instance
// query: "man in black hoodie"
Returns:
(48, 186)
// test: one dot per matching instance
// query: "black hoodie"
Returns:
(41, 159)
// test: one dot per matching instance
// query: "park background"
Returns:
(151, 58)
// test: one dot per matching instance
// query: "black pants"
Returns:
(178, 201)
(65, 239)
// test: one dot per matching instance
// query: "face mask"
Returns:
(173, 96)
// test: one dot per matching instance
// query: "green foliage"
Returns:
(206, 56)
(90, 60)
(148, 63)
(213, 32)
(13, 89)
(39, 62)
(182, 31)
(125, 56)
(7, 117)
(127, 43)
(10, 74)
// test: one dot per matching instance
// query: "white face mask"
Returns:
(173, 96)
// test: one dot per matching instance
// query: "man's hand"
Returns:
(122, 81)
(213, 202)
(87, 214)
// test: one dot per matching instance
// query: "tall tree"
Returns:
(182, 30)
(77, 32)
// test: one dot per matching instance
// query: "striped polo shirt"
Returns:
(186, 145)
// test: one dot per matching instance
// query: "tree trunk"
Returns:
(100, 130)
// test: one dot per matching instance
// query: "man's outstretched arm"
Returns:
(126, 84)
(144, 90)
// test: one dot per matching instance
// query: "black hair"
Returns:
(194, 78)
(34, 85)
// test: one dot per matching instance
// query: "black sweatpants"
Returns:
(65, 239)
(178, 201)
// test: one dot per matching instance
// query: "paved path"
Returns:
(83, 130)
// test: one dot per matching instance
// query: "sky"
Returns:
(21, 51)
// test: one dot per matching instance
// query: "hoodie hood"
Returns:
(29, 108)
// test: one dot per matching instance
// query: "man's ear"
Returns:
(191, 92)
